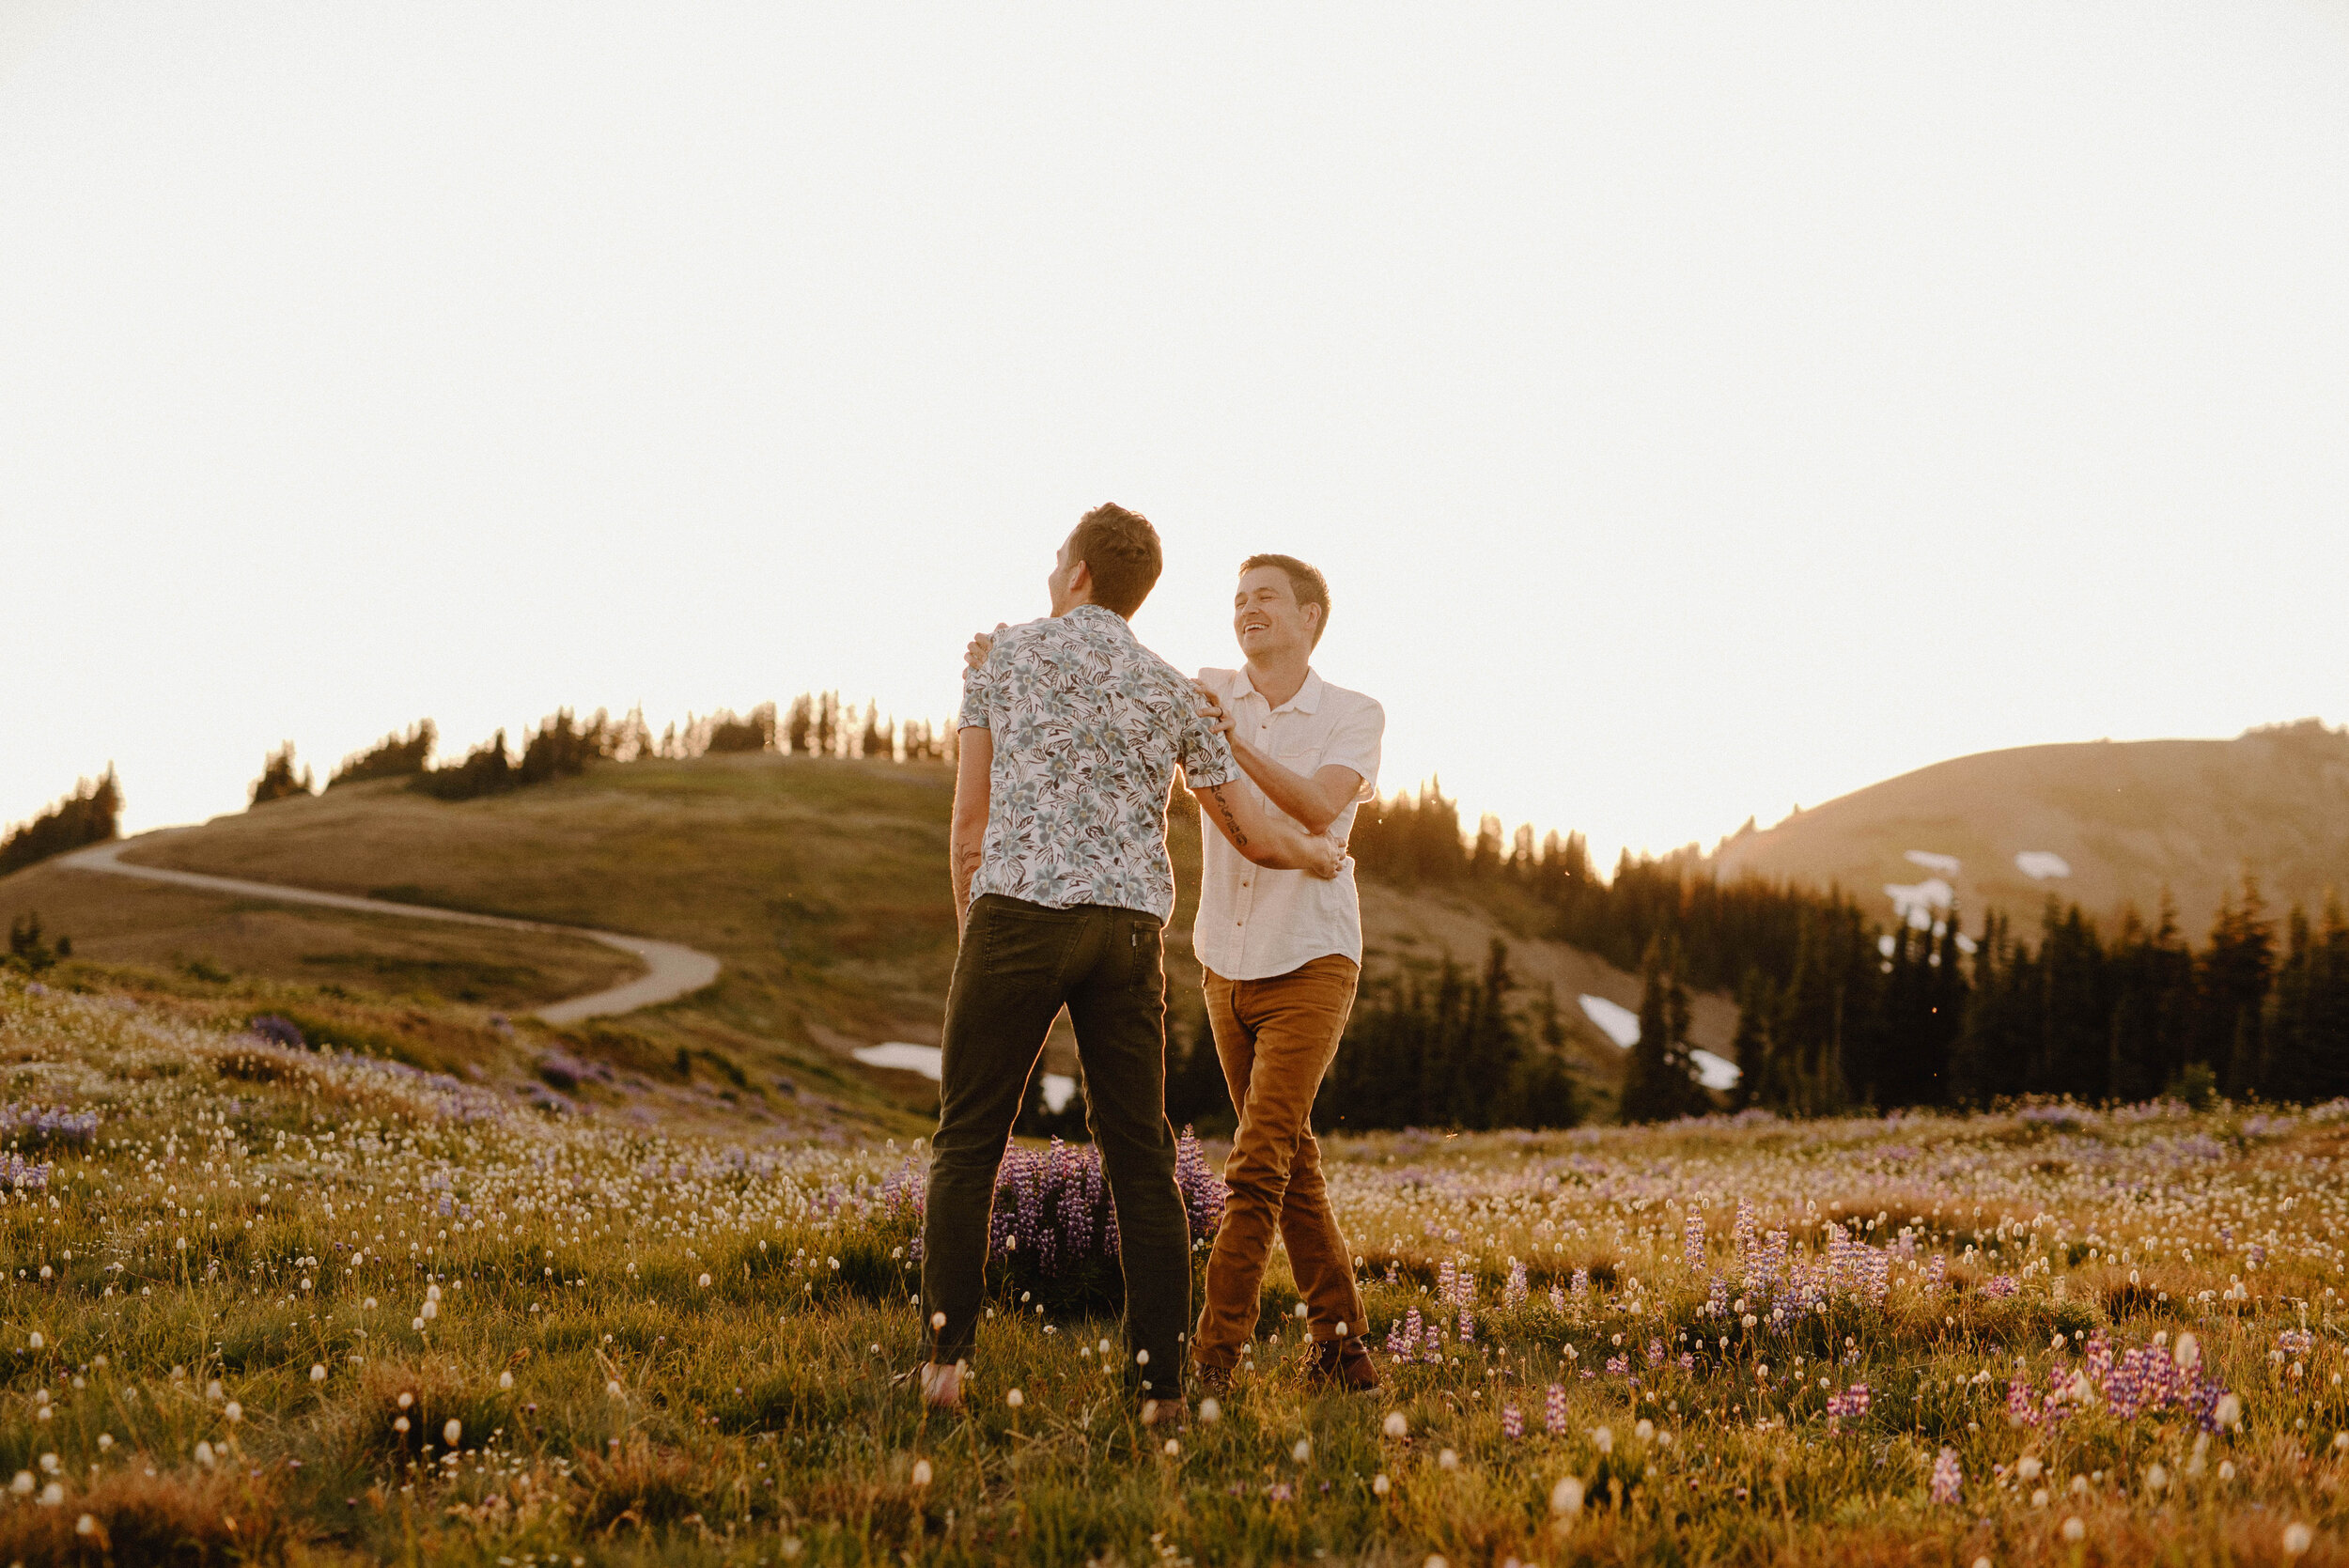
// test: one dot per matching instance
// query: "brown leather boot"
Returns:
(1342, 1364)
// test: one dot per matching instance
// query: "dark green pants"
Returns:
(1020, 963)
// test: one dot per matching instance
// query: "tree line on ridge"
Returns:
(1837, 1012)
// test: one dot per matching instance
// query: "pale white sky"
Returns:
(1697, 409)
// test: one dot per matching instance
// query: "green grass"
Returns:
(119, 921)
(613, 1407)
(820, 884)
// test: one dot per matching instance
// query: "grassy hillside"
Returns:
(115, 921)
(2127, 819)
(274, 1307)
(820, 883)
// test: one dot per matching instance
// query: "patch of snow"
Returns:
(1946, 865)
(1617, 1022)
(904, 1058)
(1964, 944)
(2040, 864)
(1621, 1025)
(1715, 1072)
(1058, 1087)
(1920, 903)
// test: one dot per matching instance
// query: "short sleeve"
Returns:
(978, 693)
(1355, 741)
(1205, 757)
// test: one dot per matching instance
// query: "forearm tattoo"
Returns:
(1239, 840)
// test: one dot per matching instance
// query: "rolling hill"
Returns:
(2108, 824)
(820, 883)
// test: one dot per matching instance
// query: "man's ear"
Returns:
(1080, 581)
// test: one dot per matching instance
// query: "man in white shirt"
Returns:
(1282, 953)
(1071, 736)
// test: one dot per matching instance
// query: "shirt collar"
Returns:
(1097, 614)
(1308, 698)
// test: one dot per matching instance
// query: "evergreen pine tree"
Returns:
(2287, 1071)
(278, 781)
(2325, 1026)
(1751, 1047)
(2236, 971)
(1659, 1082)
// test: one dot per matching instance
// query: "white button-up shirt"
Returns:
(1256, 922)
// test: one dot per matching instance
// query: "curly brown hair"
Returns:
(1121, 549)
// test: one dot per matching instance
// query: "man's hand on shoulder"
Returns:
(982, 644)
(1211, 708)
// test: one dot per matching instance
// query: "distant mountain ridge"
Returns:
(2104, 824)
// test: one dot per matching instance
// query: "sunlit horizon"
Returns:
(1697, 413)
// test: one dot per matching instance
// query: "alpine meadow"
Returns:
(322, 1247)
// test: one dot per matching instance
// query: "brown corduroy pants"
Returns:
(1276, 1038)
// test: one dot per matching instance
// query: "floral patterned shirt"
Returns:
(1088, 727)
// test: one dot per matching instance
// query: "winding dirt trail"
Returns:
(671, 969)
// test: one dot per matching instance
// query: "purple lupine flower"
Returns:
(1692, 1239)
(1774, 1257)
(36, 1125)
(1468, 1326)
(1999, 1286)
(1434, 1351)
(1839, 1247)
(1654, 1353)
(16, 1174)
(1557, 1299)
(1203, 1193)
(278, 1031)
(1512, 1423)
(1554, 1417)
(1618, 1366)
(1517, 1290)
(1948, 1478)
(1447, 1279)
(1852, 1402)
(1412, 1332)
(2021, 1409)
(1581, 1281)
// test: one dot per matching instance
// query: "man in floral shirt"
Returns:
(1070, 736)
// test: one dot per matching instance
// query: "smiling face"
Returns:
(1266, 617)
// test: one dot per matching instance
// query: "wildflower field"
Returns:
(267, 1303)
